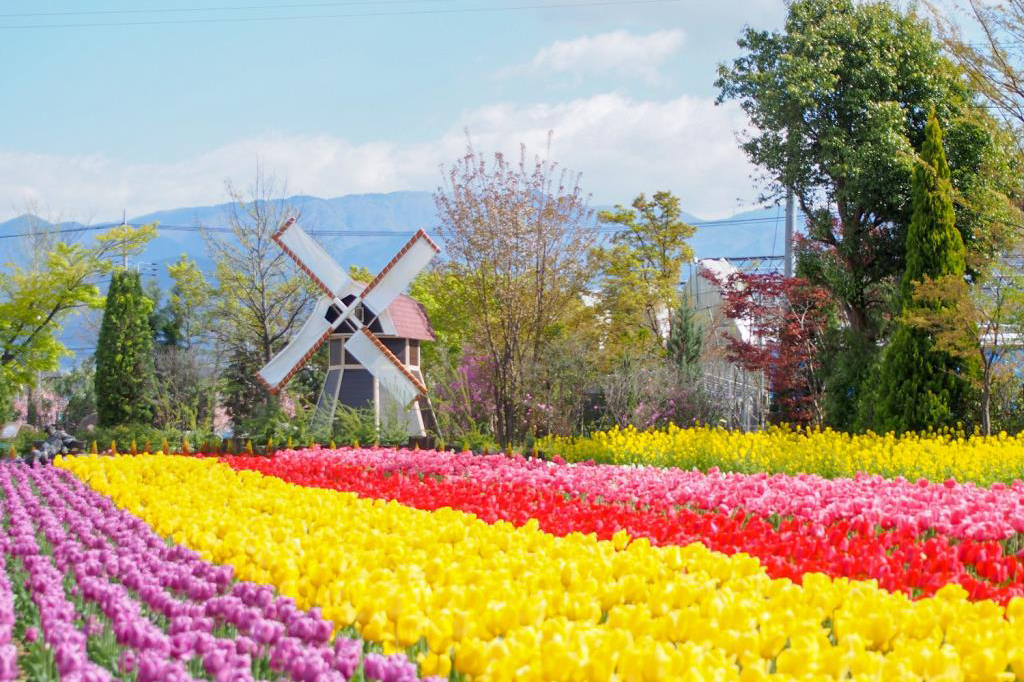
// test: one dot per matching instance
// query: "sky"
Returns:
(111, 105)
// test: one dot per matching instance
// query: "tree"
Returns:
(685, 339)
(994, 65)
(787, 318)
(640, 272)
(38, 296)
(839, 102)
(78, 388)
(441, 292)
(242, 394)
(189, 302)
(187, 363)
(125, 381)
(923, 386)
(259, 297)
(649, 393)
(515, 234)
(977, 323)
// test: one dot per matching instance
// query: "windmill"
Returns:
(346, 313)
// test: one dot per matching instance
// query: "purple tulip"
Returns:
(126, 663)
(120, 565)
(8, 662)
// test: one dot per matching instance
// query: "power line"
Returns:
(227, 8)
(347, 233)
(354, 15)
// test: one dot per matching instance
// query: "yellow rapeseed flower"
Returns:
(934, 456)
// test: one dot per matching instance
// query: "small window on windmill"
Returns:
(336, 347)
(332, 314)
(370, 319)
(414, 352)
(347, 327)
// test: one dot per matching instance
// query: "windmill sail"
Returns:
(400, 272)
(312, 258)
(382, 363)
(291, 358)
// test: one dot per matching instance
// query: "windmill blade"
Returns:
(397, 274)
(312, 258)
(382, 363)
(291, 358)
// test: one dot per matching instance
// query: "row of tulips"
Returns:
(105, 583)
(899, 559)
(957, 510)
(934, 456)
(8, 651)
(501, 602)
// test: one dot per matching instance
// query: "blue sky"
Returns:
(144, 117)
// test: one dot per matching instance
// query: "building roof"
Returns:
(410, 319)
(405, 313)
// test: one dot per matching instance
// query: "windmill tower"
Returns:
(373, 332)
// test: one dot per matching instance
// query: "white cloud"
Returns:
(618, 52)
(621, 145)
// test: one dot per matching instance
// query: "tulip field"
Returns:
(380, 564)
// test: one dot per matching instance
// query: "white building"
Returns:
(743, 394)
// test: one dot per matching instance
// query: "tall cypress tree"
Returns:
(125, 377)
(922, 387)
(685, 340)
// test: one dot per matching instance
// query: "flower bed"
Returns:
(935, 457)
(507, 602)
(103, 597)
(566, 499)
(961, 511)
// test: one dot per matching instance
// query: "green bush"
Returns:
(143, 434)
(477, 441)
(22, 442)
(125, 433)
(357, 425)
(268, 421)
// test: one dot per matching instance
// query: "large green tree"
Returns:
(187, 363)
(125, 380)
(922, 386)
(839, 100)
(638, 272)
(38, 294)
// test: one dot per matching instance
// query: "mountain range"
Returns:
(755, 232)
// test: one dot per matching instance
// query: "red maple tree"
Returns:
(787, 318)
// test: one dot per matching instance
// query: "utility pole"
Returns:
(124, 251)
(790, 219)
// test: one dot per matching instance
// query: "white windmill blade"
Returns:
(400, 272)
(312, 258)
(291, 358)
(388, 369)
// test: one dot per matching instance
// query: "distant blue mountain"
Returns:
(755, 232)
(395, 211)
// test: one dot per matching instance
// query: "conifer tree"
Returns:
(920, 386)
(685, 339)
(125, 378)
